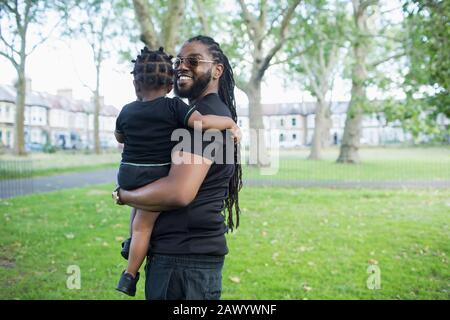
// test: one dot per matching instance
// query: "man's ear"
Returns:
(218, 71)
(169, 88)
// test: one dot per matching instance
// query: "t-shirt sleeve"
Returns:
(119, 128)
(182, 112)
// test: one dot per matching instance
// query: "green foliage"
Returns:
(189, 26)
(314, 56)
(256, 34)
(427, 82)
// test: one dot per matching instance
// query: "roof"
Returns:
(6, 94)
(52, 101)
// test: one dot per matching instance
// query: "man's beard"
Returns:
(198, 86)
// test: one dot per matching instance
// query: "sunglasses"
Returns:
(190, 62)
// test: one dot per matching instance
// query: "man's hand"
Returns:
(236, 133)
(116, 196)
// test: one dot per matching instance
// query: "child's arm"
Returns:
(215, 122)
(119, 137)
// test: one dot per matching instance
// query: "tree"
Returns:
(320, 44)
(376, 41)
(265, 27)
(169, 22)
(97, 23)
(18, 20)
(165, 22)
(427, 83)
(360, 47)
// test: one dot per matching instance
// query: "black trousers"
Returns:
(183, 277)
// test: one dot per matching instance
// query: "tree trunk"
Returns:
(168, 36)
(319, 128)
(97, 147)
(199, 6)
(258, 151)
(144, 19)
(256, 29)
(19, 130)
(97, 106)
(326, 137)
(170, 30)
(352, 130)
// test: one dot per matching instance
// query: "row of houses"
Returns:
(68, 123)
(58, 120)
(293, 123)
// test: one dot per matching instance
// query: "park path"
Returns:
(18, 187)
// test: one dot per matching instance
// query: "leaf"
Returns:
(235, 279)
(70, 235)
(306, 288)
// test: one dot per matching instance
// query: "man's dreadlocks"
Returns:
(226, 93)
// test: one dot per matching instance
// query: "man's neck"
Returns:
(201, 96)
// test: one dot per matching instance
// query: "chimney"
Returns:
(66, 93)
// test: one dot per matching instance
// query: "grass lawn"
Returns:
(292, 244)
(377, 164)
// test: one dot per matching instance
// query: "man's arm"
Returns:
(178, 189)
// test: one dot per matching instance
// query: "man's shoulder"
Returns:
(212, 104)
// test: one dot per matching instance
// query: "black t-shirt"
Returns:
(148, 126)
(199, 228)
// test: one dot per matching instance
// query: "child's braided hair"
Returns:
(153, 69)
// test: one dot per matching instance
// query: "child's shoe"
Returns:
(125, 248)
(127, 284)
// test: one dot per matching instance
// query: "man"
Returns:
(188, 243)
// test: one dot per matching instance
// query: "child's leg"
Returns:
(142, 229)
(126, 243)
(132, 215)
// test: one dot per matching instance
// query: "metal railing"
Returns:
(16, 177)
